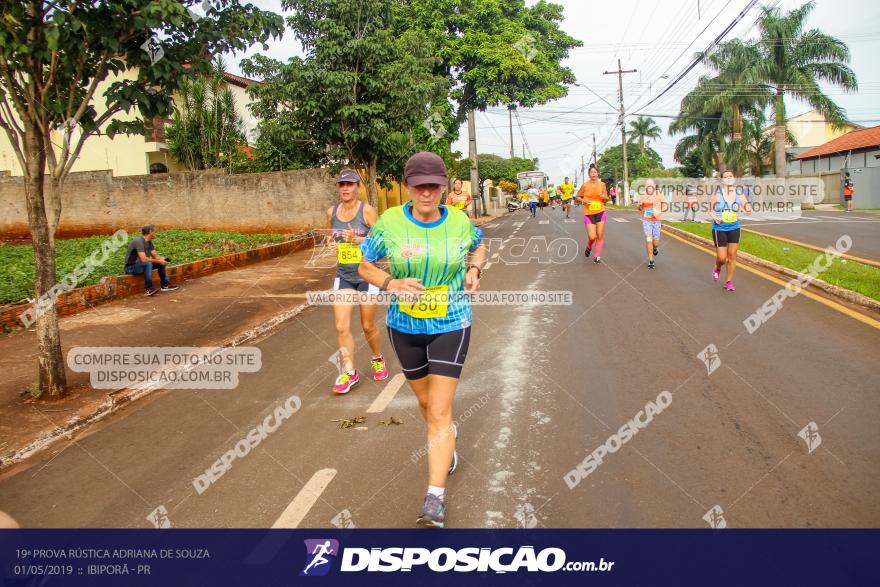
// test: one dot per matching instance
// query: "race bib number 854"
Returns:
(348, 253)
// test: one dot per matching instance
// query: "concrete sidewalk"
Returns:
(208, 311)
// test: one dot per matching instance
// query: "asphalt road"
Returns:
(822, 229)
(543, 387)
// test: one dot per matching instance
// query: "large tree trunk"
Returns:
(52, 377)
(372, 189)
(779, 134)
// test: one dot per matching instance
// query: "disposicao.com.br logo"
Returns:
(442, 560)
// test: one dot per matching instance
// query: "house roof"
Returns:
(237, 80)
(863, 138)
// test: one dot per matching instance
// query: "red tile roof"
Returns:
(237, 80)
(864, 138)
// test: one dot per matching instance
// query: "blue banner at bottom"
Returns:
(399, 557)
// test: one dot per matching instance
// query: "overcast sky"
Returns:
(658, 39)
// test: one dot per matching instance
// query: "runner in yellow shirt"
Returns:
(566, 189)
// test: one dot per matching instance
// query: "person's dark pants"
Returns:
(147, 269)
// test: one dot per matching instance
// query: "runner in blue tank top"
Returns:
(351, 220)
(725, 206)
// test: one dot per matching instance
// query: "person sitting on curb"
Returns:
(140, 258)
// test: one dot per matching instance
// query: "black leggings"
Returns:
(421, 355)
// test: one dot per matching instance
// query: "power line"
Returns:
(523, 134)
(699, 58)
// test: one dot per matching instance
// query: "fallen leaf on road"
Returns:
(348, 423)
(391, 420)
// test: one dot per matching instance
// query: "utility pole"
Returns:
(476, 189)
(583, 177)
(619, 74)
(510, 109)
(595, 162)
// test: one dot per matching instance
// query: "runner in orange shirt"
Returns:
(594, 195)
(458, 198)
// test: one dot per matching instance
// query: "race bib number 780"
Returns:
(433, 303)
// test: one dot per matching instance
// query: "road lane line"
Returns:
(383, 399)
(294, 513)
(814, 247)
(831, 304)
(543, 222)
(619, 219)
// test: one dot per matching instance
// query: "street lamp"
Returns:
(655, 81)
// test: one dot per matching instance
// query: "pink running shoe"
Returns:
(346, 381)
(729, 286)
(380, 371)
(716, 274)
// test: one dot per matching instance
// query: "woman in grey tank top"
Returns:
(350, 220)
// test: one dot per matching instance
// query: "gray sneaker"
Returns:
(433, 512)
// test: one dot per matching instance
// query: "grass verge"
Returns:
(182, 246)
(844, 273)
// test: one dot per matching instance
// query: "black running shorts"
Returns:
(421, 355)
(722, 238)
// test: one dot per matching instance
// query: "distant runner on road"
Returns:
(427, 246)
(532, 194)
(350, 220)
(594, 195)
(691, 203)
(652, 213)
(724, 207)
(566, 189)
(458, 198)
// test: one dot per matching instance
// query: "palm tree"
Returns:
(206, 130)
(754, 152)
(794, 61)
(644, 128)
(707, 136)
(732, 91)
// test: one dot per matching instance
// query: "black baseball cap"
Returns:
(348, 176)
(425, 168)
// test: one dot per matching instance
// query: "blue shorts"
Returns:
(651, 228)
(364, 286)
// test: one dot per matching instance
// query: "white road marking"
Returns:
(487, 265)
(495, 256)
(570, 220)
(543, 222)
(295, 512)
(615, 219)
(384, 398)
(517, 224)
